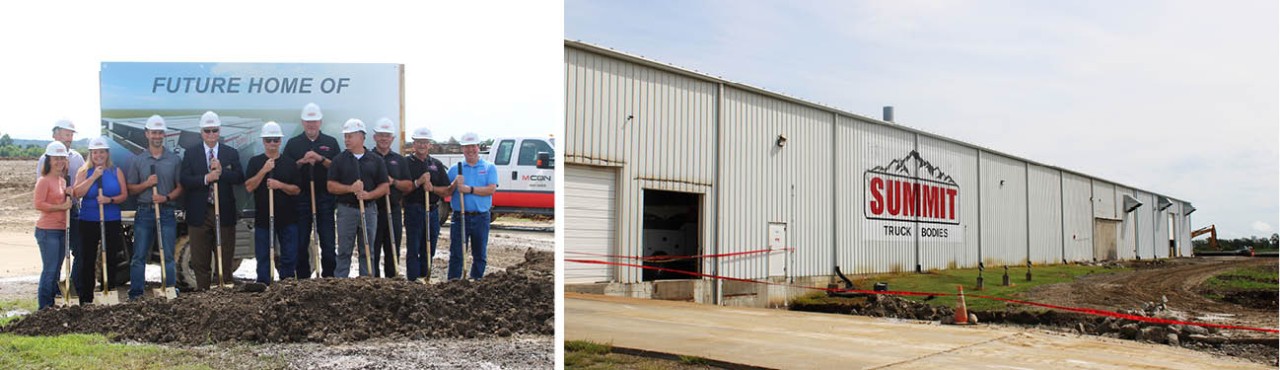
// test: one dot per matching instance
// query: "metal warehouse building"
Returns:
(664, 161)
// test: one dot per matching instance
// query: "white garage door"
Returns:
(590, 219)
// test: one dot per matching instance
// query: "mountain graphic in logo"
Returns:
(927, 171)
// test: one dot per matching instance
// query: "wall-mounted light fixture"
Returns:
(781, 142)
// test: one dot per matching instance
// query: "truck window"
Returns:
(504, 153)
(529, 151)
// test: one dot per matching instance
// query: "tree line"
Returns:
(1234, 244)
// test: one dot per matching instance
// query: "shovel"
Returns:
(395, 247)
(164, 279)
(315, 229)
(462, 206)
(104, 297)
(364, 227)
(217, 232)
(271, 247)
(66, 252)
(426, 232)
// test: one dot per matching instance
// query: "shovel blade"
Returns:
(106, 298)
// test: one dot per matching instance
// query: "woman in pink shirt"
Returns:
(51, 229)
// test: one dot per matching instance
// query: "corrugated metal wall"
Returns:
(1146, 225)
(1077, 217)
(961, 163)
(1126, 248)
(1182, 233)
(1162, 229)
(1104, 200)
(659, 126)
(767, 183)
(862, 245)
(1004, 210)
(1045, 214)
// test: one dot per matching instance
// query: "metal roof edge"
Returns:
(588, 47)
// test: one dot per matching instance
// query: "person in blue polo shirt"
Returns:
(474, 181)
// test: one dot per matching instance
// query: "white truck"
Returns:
(526, 175)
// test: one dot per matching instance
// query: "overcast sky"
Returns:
(1178, 97)
(492, 68)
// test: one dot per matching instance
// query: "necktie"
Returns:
(211, 164)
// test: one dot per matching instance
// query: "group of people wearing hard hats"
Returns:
(354, 201)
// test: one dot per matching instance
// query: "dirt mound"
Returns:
(535, 261)
(324, 310)
(877, 306)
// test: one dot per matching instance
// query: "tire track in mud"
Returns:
(1149, 281)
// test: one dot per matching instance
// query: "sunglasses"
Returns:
(210, 130)
(271, 140)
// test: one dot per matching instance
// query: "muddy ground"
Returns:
(503, 321)
(520, 300)
(1141, 291)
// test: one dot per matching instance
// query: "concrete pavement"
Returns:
(785, 339)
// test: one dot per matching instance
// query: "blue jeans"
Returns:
(144, 233)
(75, 240)
(417, 256)
(478, 234)
(287, 242)
(324, 219)
(52, 252)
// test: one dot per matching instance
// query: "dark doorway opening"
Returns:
(670, 237)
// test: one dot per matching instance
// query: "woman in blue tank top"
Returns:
(98, 174)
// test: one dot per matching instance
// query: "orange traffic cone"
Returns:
(962, 313)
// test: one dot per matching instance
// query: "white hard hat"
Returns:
(98, 143)
(155, 123)
(353, 125)
(210, 119)
(470, 138)
(422, 133)
(271, 129)
(55, 149)
(385, 126)
(65, 124)
(311, 112)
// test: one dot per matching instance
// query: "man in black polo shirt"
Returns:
(356, 176)
(273, 172)
(313, 152)
(430, 183)
(388, 246)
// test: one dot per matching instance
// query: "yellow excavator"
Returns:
(1213, 236)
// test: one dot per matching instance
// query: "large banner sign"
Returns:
(245, 96)
(910, 198)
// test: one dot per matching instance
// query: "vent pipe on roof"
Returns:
(888, 113)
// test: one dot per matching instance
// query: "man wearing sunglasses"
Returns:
(203, 165)
(272, 171)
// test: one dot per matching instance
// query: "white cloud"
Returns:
(1262, 227)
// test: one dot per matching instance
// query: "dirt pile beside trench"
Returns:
(519, 301)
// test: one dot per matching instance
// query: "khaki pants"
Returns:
(202, 253)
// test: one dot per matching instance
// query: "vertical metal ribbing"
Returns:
(1062, 210)
(835, 187)
(1026, 178)
(915, 179)
(718, 286)
(980, 263)
(1092, 214)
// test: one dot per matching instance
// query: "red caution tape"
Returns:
(1089, 311)
(673, 258)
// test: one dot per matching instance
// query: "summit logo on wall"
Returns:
(910, 198)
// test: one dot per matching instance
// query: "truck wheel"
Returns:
(182, 253)
(445, 212)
